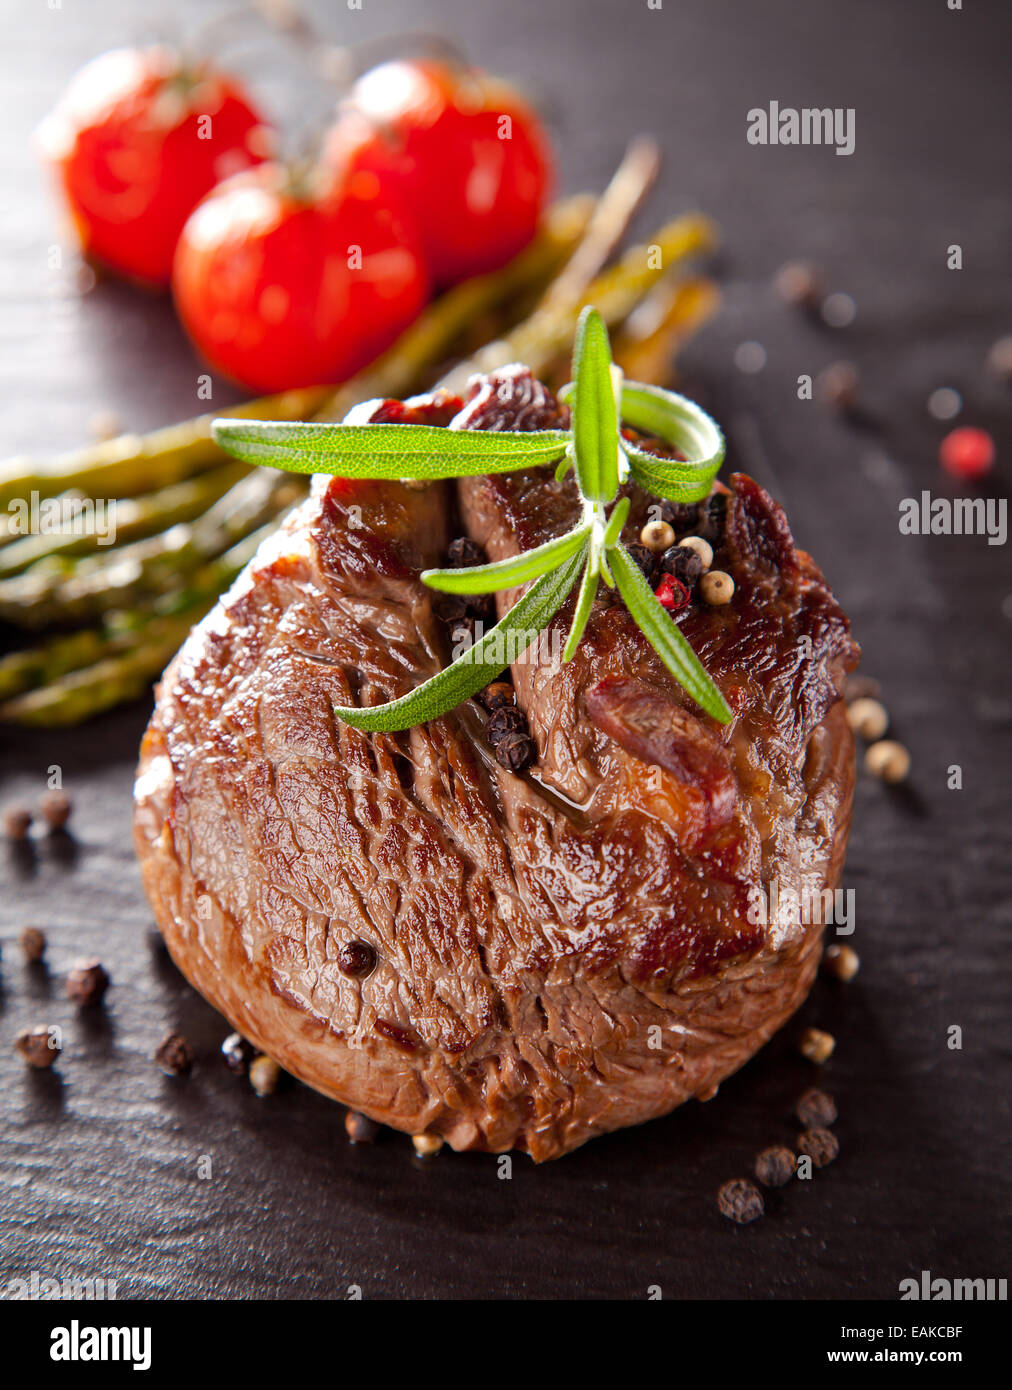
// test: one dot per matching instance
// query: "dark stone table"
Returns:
(99, 1162)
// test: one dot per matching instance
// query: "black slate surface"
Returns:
(99, 1161)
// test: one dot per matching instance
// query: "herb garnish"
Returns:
(601, 459)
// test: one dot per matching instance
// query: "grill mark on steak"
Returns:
(530, 932)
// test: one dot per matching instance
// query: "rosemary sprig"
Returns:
(591, 552)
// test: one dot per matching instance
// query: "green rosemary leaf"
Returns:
(595, 415)
(480, 664)
(387, 451)
(584, 603)
(660, 476)
(504, 574)
(680, 422)
(664, 636)
(616, 521)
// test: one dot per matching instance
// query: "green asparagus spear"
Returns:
(83, 672)
(616, 291)
(132, 463)
(69, 590)
(111, 680)
(131, 518)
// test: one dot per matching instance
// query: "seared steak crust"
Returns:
(557, 955)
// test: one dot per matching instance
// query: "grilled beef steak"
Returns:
(506, 960)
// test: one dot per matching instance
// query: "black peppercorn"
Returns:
(507, 720)
(821, 1146)
(357, 959)
(463, 633)
(681, 515)
(646, 559)
(497, 695)
(712, 514)
(481, 606)
(464, 552)
(87, 983)
(815, 1109)
(682, 563)
(740, 1201)
(237, 1053)
(516, 752)
(774, 1166)
(174, 1055)
(450, 607)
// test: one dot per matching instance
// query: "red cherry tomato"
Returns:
(281, 289)
(467, 157)
(136, 142)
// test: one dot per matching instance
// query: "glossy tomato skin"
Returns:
(464, 154)
(136, 143)
(279, 290)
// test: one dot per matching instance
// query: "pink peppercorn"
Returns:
(967, 452)
(672, 594)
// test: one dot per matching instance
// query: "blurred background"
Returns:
(924, 1127)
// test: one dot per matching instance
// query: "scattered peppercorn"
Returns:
(842, 962)
(815, 1109)
(17, 822)
(357, 959)
(838, 386)
(644, 558)
(684, 563)
(800, 284)
(672, 594)
(38, 1047)
(967, 452)
(944, 403)
(701, 547)
(868, 718)
(821, 1145)
(87, 983)
(516, 752)
(681, 516)
(839, 310)
(481, 606)
(33, 943)
(497, 695)
(507, 720)
(360, 1129)
(237, 1053)
(264, 1075)
(451, 608)
(174, 1055)
(56, 807)
(717, 588)
(426, 1145)
(816, 1045)
(774, 1166)
(740, 1201)
(464, 632)
(888, 760)
(657, 536)
(712, 516)
(465, 552)
(999, 359)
